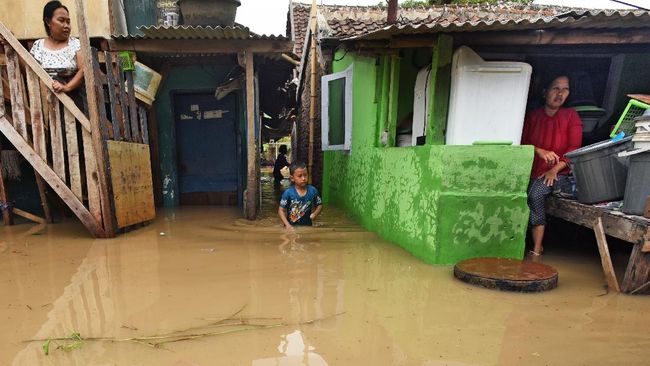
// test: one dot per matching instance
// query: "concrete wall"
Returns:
(24, 18)
(441, 203)
(184, 78)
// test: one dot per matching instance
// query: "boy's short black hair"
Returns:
(283, 149)
(296, 165)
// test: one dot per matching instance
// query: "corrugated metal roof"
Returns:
(197, 32)
(577, 19)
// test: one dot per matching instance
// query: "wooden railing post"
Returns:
(252, 181)
(99, 149)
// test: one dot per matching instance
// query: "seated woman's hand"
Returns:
(549, 177)
(549, 157)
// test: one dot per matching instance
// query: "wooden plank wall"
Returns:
(132, 183)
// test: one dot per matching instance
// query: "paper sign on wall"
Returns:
(214, 114)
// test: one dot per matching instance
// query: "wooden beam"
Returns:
(631, 229)
(73, 154)
(15, 91)
(121, 94)
(251, 146)
(2, 92)
(38, 134)
(7, 219)
(6, 213)
(110, 78)
(637, 272)
(92, 182)
(133, 107)
(56, 136)
(428, 41)
(50, 177)
(36, 107)
(144, 126)
(29, 216)
(30, 62)
(196, 46)
(95, 121)
(605, 259)
(554, 37)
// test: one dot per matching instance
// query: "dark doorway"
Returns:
(207, 148)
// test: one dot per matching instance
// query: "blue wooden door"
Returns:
(207, 148)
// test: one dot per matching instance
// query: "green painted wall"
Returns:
(185, 78)
(441, 203)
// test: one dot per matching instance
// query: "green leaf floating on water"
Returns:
(46, 347)
(76, 342)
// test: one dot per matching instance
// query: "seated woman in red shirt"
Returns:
(553, 131)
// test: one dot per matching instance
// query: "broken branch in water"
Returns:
(235, 321)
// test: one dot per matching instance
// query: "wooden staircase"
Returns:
(67, 149)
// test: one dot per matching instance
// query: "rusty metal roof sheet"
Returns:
(350, 21)
(197, 32)
(576, 19)
(369, 22)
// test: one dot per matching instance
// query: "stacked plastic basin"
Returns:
(637, 188)
(600, 173)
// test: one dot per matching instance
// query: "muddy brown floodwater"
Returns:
(372, 302)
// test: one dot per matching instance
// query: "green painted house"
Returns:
(445, 203)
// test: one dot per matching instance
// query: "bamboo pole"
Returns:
(95, 122)
(312, 90)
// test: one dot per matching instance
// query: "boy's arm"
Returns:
(318, 203)
(283, 217)
(316, 212)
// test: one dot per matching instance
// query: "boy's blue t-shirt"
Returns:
(300, 208)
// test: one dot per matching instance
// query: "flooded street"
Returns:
(334, 294)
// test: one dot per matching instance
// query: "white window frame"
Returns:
(325, 118)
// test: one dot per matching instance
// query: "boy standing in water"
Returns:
(301, 203)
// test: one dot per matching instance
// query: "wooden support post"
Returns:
(95, 122)
(29, 216)
(126, 126)
(133, 107)
(637, 275)
(2, 93)
(56, 136)
(144, 125)
(251, 185)
(73, 154)
(110, 78)
(94, 199)
(606, 260)
(38, 134)
(6, 213)
(7, 219)
(14, 79)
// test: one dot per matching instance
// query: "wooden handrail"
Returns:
(30, 62)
